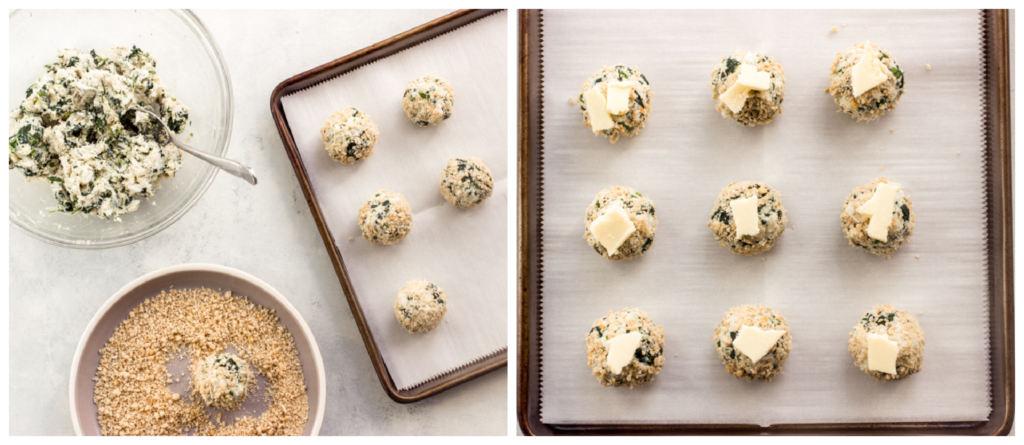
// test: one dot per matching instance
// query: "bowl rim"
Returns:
(225, 80)
(201, 267)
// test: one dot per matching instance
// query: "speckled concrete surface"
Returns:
(265, 230)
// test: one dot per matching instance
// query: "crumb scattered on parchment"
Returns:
(351, 238)
(881, 168)
(835, 28)
(892, 130)
(572, 101)
(958, 153)
(764, 259)
(917, 256)
(928, 66)
(677, 355)
(130, 392)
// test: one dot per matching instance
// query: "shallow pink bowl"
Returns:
(116, 309)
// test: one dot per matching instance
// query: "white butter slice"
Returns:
(751, 78)
(882, 204)
(621, 350)
(618, 97)
(612, 228)
(756, 342)
(744, 212)
(867, 73)
(596, 109)
(882, 353)
(735, 97)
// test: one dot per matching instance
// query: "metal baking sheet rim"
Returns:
(393, 45)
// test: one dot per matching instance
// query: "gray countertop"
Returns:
(265, 230)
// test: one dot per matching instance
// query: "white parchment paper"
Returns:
(462, 251)
(932, 144)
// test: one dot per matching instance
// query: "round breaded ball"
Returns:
(420, 306)
(873, 103)
(769, 208)
(737, 363)
(349, 135)
(221, 381)
(466, 182)
(428, 101)
(761, 107)
(648, 359)
(634, 120)
(855, 225)
(386, 218)
(641, 213)
(902, 328)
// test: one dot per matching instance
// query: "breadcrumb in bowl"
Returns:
(184, 279)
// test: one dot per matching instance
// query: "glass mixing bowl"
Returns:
(191, 67)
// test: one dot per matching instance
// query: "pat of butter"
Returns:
(882, 204)
(621, 350)
(756, 342)
(751, 78)
(882, 353)
(613, 227)
(734, 97)
(744, 212)
(618, 97)
(596, 109)
(867, 73)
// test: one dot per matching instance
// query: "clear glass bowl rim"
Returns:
(225, 80)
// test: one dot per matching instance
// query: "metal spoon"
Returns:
(232, 167)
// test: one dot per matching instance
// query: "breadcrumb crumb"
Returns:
(928, 66)
(835, 28)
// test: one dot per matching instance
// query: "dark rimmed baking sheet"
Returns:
(458, 372)
(532, 264)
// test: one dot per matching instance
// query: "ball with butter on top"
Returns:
(753, 342)
(748, 217)
(887, 343)
(866, 81)
(615, 102)
(620, 223)
(878, 217)
(748, 88)
(625, 348)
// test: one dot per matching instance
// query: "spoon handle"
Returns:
(232, 167)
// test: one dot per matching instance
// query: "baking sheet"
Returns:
(459, 250)
(814, 156)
